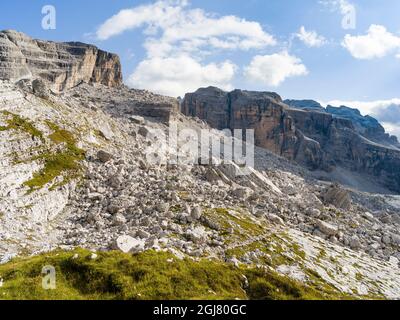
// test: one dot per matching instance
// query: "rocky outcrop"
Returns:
(318, 140)
(367, 126)
(61, 65)
(336, 196)
(264, 112)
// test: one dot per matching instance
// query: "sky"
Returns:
(333, 51)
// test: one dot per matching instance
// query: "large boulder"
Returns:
(337, 196)
(327, 228)
(129, 244)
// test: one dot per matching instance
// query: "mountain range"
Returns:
(316, 217)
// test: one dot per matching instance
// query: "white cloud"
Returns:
(310, 38)
(272, 70)
(377, 43)
(177, 40)
(178, 75)
(392, 129)
(172, 24)
(150, 15)
(386, 111)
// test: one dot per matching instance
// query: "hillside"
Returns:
(93, 166)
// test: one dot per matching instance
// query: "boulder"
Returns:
(275, 219)
(127, 244)
(327, 228)
(40, 89)
(196, 213)
(337, 196)
(241, 193)
(104, 156)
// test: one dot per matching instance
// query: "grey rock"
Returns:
(40, 89)
(104, 156)
(196, 213)
(327, 228)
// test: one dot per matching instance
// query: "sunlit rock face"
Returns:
(62, 65)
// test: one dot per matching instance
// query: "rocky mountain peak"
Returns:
(365, 125)
(61, 65)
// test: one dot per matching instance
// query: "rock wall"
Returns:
(318, 140)
(62, 65)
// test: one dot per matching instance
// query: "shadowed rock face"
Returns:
(262, 111)
(318, 140)
(62, 65)
(367, 126)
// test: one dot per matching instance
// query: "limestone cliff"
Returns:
(318, 140)
(62, 65)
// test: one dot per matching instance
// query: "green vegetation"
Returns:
(242, 224)
(57, 163)
(149, 275)
(15, 122)
(65, 159)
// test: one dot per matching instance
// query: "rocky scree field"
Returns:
(77, 192)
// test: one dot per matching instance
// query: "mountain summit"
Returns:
(61, 65)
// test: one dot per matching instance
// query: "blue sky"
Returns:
(171, 47)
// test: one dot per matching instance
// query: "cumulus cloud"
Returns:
(386, 111)
(177, 75)
(174, 31)
(377, 43)
(310, 38)
(272, 70)
(172, 22)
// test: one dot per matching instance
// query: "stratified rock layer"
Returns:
(318, 140)
(62, 65)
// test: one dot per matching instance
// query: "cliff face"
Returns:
(367, 126)
(62, 65)
(264, 112)
(318, 140)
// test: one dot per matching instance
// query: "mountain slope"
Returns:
(89, 167)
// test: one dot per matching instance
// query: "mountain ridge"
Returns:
(77, 171)
(62, 65)
(318, 140)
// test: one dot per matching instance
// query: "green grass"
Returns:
(242, 224)
(15, 122)
(57, 163)
(149, 275)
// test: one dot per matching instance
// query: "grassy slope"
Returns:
(150, 275)
(56, 163)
